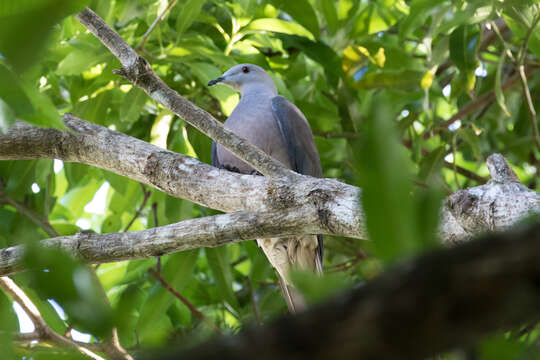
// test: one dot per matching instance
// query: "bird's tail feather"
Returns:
(294, 299)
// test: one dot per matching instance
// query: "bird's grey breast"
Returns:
(253, 120)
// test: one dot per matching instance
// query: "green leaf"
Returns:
(328, 8)
(472, 140)
(279, 26)
(499, 95)
(386, 186)
(46, 114)
(405, 80)
(187, 15)
(13, 94)
(25, 27)
(260, 266)
(420, 10)
(432, 163)
(320, 52)
(72, 285)
(10, 325)
(26, 101)
(376, 17)
(228, 98)
(317, 288)
(79, 60)
(302, 12)
(177, 271)
(218, 261)
(464, 43)
(7, 116)
(133, 105)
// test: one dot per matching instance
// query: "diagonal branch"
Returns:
(44, 331)
(140, 73)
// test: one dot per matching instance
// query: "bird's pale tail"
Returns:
(294, 298)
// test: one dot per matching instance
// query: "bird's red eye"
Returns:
(245, 69)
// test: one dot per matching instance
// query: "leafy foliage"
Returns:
(370, 76)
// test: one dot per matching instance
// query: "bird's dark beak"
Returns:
(215, 81)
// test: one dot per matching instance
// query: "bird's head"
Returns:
(243, 76)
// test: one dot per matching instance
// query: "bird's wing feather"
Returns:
(215, 160)
(301, 148)
(298, 137)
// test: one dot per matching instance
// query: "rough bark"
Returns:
(209, 231)
(275, 206)
(449, 298)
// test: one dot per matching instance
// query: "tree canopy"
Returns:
(406, 99)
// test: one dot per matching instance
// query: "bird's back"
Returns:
(253, 120)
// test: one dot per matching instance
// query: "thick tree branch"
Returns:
(140, 73)
(267, 206)
(189, 234)
(185, 177)
(449, 298)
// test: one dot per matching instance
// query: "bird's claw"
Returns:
(229, 167)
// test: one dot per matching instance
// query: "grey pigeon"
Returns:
(279, 128)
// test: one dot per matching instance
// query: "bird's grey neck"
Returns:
(250, 90)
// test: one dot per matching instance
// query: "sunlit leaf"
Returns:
(302, 12)
(279, 26)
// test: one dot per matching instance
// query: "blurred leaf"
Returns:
(190, 9)
(420, 10)
(499, 95)
(56, 276)
(133, 105)
(328, 8)
(432, 163)
(260, 267)
(464, 42)
(32, 22)
(320, 52)
(279, 26)
(177, 271)
(218, 261)
(379, 16)
(10, 325)
(404, 80)
(471, 139)
(386, 196)
(26, 102)
(317, 288)
(302, 12)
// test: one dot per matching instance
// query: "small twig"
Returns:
(154, 212)
(154, 24)
(185, 301)
(140, 73)
(346, 265)
(32, 215)
(472, 106)
(467, 173)
(256, 313)
(337, 135)
(523, 78)
(146, 195)
(42, 329)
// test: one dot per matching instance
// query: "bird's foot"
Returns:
(229, 167)
(255, 172)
